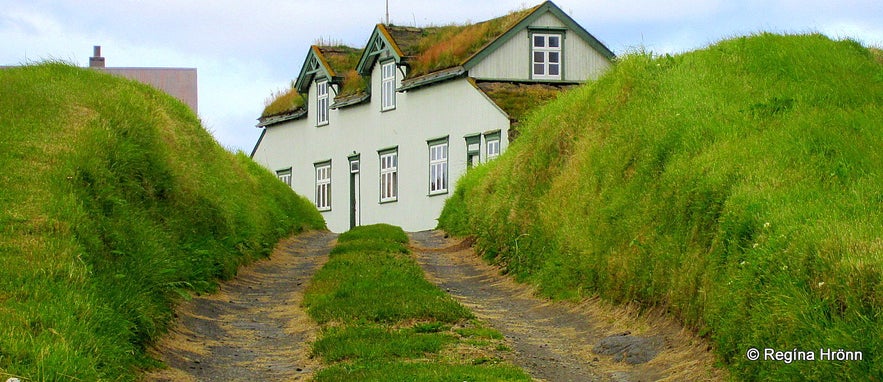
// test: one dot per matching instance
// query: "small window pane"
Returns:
(554, 41)
(553, 57)
(539, 69)
(539, 57)
(553, 69)
(539, 41)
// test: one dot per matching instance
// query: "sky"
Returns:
(246, 50)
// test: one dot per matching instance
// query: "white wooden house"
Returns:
(381, 134)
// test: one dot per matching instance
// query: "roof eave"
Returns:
(279, 118)
(431, 78)
(350, 100)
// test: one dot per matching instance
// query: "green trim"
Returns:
(543, 29)
(439, 140)
(388, 150)
(312, 70)
(258, 143)
(472, 154)
(355, 202)
(372, 50)
(546, 7)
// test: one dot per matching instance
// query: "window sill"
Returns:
(387, 109)
(324, 209)
(437, 193)
(387, 201)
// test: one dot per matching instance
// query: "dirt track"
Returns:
(554, 341)
(255, 330)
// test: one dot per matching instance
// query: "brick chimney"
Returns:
(96, 61)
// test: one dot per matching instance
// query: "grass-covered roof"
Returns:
(425, 50)
(341, 62)
(436, 48)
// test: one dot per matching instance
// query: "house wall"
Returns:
(180, 83)
(512, 61)
(454, 109)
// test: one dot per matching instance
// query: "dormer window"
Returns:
(388, 86)
(322, 103)
(546, 56)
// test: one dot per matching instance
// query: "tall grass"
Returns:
(738, 186)
(114, 204)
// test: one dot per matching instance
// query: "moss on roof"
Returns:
(436, 48)
(284, 101)
(519, 99)
(343, 60)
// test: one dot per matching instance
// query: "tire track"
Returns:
(253, 329)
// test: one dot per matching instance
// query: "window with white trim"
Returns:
(546, 56)
(388, 86)
(493, 146)
(284, 176)
(321, 103)
(323, 186)
(389, 176)
(438, 168)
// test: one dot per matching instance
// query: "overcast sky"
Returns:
(245, 50)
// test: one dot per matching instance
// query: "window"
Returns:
(473, 150)
(321, 103)
(547, 56)
(323, 186)
(438, 167)
(284, 176)
(388, 86)
(493, 145)
(389, 176)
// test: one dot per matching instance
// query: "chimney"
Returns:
(96, 61)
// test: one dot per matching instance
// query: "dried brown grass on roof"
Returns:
(449, 46)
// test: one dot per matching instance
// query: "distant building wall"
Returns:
(180, 83)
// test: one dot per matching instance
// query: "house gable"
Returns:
(315, 66)
(381, 44)
(569, 25)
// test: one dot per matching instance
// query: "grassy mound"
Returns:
(114, 203)
(738, 186)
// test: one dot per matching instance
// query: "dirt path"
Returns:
(555, 341)
(253, 329)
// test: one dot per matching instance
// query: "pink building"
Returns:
(178, 82)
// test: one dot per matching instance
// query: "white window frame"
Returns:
(284, 176)
(389, 176)
(323, 186)
(388, 86)
(322, 99)
(438, 167)
(545, 56)
(492, 147)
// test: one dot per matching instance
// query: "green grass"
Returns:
(114, 204)
(738, 186)
(383, 321)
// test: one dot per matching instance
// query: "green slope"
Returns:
(739, 186)
(115, 203)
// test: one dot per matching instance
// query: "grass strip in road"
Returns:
(382, 320)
